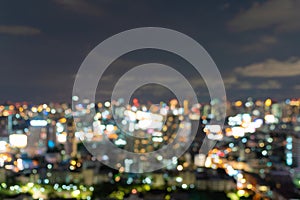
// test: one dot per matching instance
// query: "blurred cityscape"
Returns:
(256, 156)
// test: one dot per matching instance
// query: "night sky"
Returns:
(255, 44)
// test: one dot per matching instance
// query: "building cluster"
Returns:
(43, 147)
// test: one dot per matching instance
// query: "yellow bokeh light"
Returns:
(238, 103)
(268, 102)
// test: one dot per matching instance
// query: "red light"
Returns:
(135, 102)
(133, 191)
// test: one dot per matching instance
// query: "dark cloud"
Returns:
(19, 30)
(264, 43)
(271, 68)
(80, 6)
(283, 16)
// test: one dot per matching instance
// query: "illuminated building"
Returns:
(295, 145)
(18, 140)
(37, 138)
(186, 107)
(2, 175)
(3, 127)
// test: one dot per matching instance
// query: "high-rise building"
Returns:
(37, 137)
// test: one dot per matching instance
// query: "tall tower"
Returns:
(186, 107)
(295, 145)
(37, 137)
(51, 135)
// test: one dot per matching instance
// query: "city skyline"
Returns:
(43, 153)
(160, 99)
